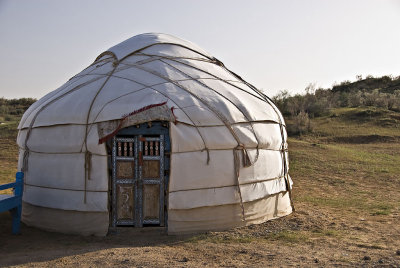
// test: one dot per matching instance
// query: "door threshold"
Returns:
(137, 230)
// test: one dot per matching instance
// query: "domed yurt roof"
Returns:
(152, 68)
(228, 150)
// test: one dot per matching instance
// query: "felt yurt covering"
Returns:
(229, 160)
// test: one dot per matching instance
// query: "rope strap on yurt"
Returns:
(88, 156)
(172, 108)
(24, 167)
(245, 114)
(205, 102)
(25, 159)
(283, 149)
(285, 167)
(208, 154)
(236, 164)
(246, 159)
(88, 168)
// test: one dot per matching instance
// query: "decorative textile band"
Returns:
(152, 112)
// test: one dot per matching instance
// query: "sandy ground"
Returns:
(308, 237)
(347, 203)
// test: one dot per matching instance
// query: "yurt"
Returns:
(155, 132)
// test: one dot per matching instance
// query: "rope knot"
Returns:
(245, 155)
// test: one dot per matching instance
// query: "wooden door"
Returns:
(151, 177)
(138, 180)
(124, 181)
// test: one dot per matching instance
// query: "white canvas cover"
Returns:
(228, 139)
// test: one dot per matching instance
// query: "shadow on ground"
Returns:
(58, 245)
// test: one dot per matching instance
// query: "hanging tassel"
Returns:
(245, 156)
(88, 164)
(24, 167)
(236, 164)
(88, 167)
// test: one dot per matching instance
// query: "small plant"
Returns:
(301, 124)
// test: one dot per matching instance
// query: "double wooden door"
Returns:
(138, 180)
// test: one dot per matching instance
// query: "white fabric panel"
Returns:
(254, 191)
(164, 50)
(64, 199)
(21, 137)
(202, 116)
(218, 137)
(93, 142)
(99, 68)
(254, 108)
(114, 90)
(223, 106)
(190, 170)
(290, 181)
(62, 139)
(54, 139)
(20, 158)
(128, 104)
(276, 205)
(64, 110)
(225, 195)
(287, 160)
(269, 165)
(66, 221)
(269, 135)
(224, 216)
(229, 93)
(180, 115)
(246, 88)
(178, 95)
(271, 106)
(246, 135)
(212, 68)
(135, 59)
(64, 89)
(143, 40)
(164, 71)
(203, 198)
(188, 70)
(227, 216)
(227, 213)
(139, 75)
(70, 84)
(65, 171)
(185, 138)
(34, 108)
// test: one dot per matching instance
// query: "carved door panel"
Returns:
(151, 172)
(138, 181)
(124, 182)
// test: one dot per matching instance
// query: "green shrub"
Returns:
(301, 124)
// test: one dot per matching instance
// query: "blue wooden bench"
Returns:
(13, 203)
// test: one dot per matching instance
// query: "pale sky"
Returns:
(275, 45)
